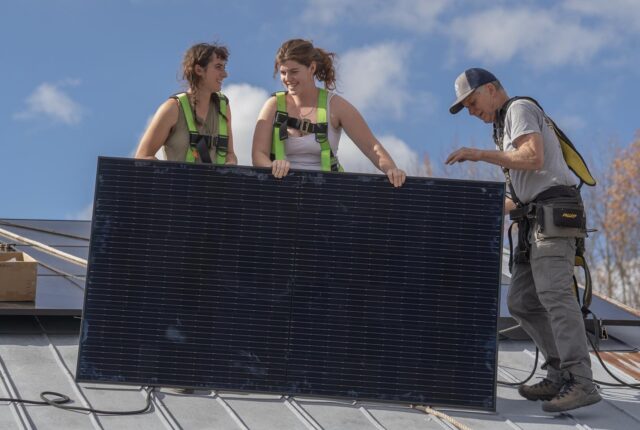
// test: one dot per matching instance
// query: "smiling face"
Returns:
(213, 74)
(297, 77)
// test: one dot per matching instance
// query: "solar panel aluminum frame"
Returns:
(319, 267)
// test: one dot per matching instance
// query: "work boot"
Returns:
(573, 395)
(543, 390)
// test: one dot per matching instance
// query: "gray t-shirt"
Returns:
(524, 117)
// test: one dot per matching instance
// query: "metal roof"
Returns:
(39, 353)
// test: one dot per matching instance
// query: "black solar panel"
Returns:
(320, 284)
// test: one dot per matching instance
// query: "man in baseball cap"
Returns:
(541, 296)
(468, 82)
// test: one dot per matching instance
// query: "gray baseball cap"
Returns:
(467, 83)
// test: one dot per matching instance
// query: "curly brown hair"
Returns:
(303, 52)
(200, 54)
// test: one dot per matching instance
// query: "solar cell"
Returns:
(319, 284)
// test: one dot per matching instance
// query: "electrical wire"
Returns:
(524, 381)
(596, 350)
(606, 368)
(58, 400)
(43, 230)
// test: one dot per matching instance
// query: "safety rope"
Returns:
(429, 410)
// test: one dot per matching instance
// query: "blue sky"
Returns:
(82, 78)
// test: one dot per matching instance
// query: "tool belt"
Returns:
(557, 212)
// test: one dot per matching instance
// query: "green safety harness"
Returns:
(282, 121)
(200, 144)
(569, 207)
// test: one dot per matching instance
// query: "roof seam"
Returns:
(18, 410)
(371, 418)
(74, 385)
(302, 415)
(163, 412)
(232, 413)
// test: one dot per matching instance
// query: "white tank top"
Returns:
(303, 152)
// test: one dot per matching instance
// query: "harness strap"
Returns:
(199, 144)
(498, 138)
(279, 127)
(222, 141)
(328, 161)
(306, 126)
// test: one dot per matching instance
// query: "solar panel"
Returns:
(319, 284)
(60, 284)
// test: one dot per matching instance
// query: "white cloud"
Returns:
(412, 15)
(245, 101)
(539, 37)
(49, 101)
(353, 160)
(570, 123)
(623, 14)
(85, 214)
(368, 73)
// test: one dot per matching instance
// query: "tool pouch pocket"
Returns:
(561, 218)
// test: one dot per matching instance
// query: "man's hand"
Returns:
(464, 154)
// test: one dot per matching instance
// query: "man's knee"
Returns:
(516, 304)
(560, 296)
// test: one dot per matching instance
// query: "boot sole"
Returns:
(534, 398)
(588, 401)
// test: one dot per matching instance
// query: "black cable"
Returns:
(610, 384)
(61, 401)
(43, 230)
(596, 351)
(533, 372)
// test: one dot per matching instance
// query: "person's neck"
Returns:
(306, 98)
(501, 99)
(202, 96)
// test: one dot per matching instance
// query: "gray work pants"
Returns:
(542, 300)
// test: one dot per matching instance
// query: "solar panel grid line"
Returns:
(481, 208)
(184, 336)
(363, 236)
(470, 240)
(356, 260)
(456, 283)
(153, 298)
(460, 287)
(440, 273)
(469, 228)
(411, 372)
(388, 309)
(388, 316)
(115, 317)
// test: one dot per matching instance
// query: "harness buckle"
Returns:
(222, 143)
(305, 126)
(281, 118)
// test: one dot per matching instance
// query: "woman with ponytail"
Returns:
(295, 127)
(194, 126)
